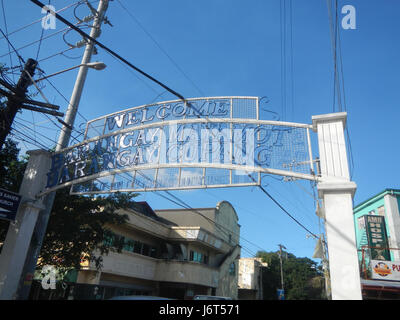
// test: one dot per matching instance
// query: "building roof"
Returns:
(144, 208)
(381, 284)
(375, 198)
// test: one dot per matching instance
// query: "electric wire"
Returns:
(35, 142)
(292, 58)
(85, 35)
(56, 54)
(166, 88)
(39, 20)
(33, 42)
(41, 38)
(9, 44)
(25, 127)
(161, 48)
(182, 204)
(336, 45)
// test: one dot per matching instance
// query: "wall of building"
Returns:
(180, 273)
(189, 218)
(248, 274)
(378, 205)
(227, 217)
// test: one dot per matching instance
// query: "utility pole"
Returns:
(8, 114)
(280, 258)
(22, 292)
(325, 267)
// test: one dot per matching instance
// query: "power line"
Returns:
(9, 53)
(35, 142)
(184, 205)
(41, 38)
(39, 20)
(282, 208)
(32, 43)
(56, 54)
(159, 46)
(5, 36)
(34, 131)
(156, 81)
(85, 35)
(336, 45)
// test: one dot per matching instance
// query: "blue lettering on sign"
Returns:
(171, 111)
(169, 138)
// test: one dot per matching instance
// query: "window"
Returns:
(137, 247)
(153, 252)
(131, 245)
(108, 240)
(232, 269)
(361, 223)
(198, 257)
(146, 249)
(128, 245)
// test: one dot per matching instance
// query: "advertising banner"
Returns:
(377, 237)
(385, 270)
(9, 203)
(197, 143)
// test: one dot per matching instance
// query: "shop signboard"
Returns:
(9, 203)
(377, 237)
(385, 270)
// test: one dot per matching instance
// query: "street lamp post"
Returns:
(280, 258)
(92, 65)
(63, 140)
(9, 287)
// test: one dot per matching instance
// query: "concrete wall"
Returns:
(227, 217)
(248, 274)
(184, 217)
(389, 200)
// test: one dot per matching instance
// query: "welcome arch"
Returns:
(197, 143)
(238, 146)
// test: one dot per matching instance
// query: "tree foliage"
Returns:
(11, 167)
(77, 225)
(11, 173)
(303, 278)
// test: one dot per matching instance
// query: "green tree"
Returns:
(11, 167)
(303, 279)
(79, 230)
(80, 225)
(77, 224)
(11, 173)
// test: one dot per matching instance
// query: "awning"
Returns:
(377, 285)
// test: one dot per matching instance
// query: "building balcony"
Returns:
(134, 265)
(187, 272)
(200, 235)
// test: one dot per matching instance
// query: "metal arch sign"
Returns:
(197, 143)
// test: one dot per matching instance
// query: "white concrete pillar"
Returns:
(337, 191)
(392, 217)
(20, 231)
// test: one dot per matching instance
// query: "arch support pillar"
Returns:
(337, 192)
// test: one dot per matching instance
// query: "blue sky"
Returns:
(233, 47)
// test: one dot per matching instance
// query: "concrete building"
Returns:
(377, 226)
(169, 253)
(250, 279)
